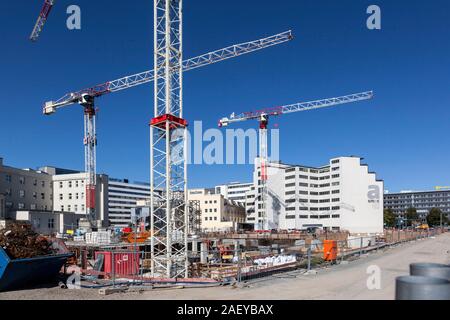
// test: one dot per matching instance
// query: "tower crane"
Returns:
(86, 98)
(42, 19)
(262, 116)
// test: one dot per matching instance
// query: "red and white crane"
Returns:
(42, 19)
(86, 98)
(263, 117)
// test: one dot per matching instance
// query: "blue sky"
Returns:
(401, 133)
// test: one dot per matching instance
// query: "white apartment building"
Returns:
(234, 191)
(25, 189)
(217, 213)
(123, 196)
(70, 195)
(342, 195)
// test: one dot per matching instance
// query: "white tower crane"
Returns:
(263, 117)
(86, 98)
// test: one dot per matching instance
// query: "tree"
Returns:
(389, 218)
(434, 218)
(411, 216)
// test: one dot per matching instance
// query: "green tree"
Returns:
(434, 218)
(411, 216)
(389, 218)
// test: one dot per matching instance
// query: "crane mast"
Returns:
(168, 136)
(262, 116)
(42, 19)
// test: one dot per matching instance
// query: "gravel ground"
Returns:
(347, 281)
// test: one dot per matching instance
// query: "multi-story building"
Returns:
(422, 201)
(217, 213)
(122, 198)
(70, 195)
(25, 189)
(342, 195)
(234, 191)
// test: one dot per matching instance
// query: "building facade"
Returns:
(25, 189)
(342, 195)
(48, 223)
(234, 191)
(123, 196)
(422, 201)
(70, 196)
(217, 213)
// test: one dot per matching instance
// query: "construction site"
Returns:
(166, 252)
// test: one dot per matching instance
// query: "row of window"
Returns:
(22, 194)
(22, 206)
(69, 208)
(71, 197)
(334, 216)
(71, 183)
(23, 180)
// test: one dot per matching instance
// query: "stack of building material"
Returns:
(99, 238)
(20, 242)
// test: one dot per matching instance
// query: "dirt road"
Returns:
(347, 281)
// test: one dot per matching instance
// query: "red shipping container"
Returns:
(125, 263)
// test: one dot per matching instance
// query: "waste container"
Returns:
(16, 274)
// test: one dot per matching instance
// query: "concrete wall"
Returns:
(47, 223)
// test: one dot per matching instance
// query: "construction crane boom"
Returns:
(86, 98)
(297, 107)
(42, 19)
(263, 117)
(149, 76)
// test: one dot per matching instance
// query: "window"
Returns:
(22, 193)
(62, 208)
(335, 169)
(33, 206)
(43, 184)
(303, 217)
(61, 196)
(335, 162)
(8, 178)
(34, 195)
(22, 180)
(43, 196)
(61, 184)
(21, 206)
(206, 218)
(70, 184)
(76, 183)
(76, 208)
(51, 223)
(77, 196)
(335, 176)
(35, 182)
(336, 200)
(70, 196)
(69, 208)
(82, 207)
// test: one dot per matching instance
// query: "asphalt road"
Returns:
(347, 281)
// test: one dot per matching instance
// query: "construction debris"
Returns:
(20, 242)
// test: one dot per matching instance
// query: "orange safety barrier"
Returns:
(330, 250)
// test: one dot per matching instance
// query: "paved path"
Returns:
(340, 282)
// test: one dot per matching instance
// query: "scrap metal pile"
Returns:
(20, 242)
